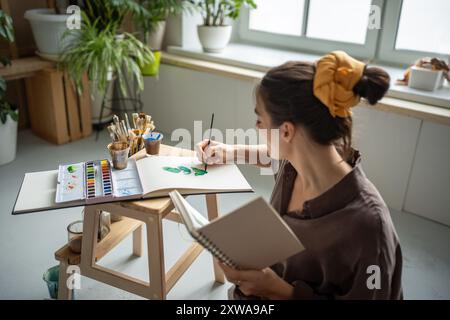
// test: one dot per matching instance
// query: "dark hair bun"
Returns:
(373, 85)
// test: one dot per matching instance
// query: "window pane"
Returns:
(343, 20)
(278, 16)
(425, 26)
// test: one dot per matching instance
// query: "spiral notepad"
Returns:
(215, 251)
(251, 237)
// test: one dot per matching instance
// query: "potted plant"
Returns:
(48, 27)
(9, 115)
(104, 53)
(153, 23)
(215, 33)
(152, 26)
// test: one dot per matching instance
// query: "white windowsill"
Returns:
(261, 59)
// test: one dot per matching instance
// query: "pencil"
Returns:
(209, 141)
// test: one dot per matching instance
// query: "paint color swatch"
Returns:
(98, 181)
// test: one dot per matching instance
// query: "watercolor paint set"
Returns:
(98, 181)
(90, 181)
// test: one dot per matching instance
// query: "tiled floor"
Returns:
(27, 242)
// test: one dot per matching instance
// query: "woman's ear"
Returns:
(287, 131)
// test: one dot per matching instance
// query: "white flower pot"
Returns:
(48, 30)
(155, 39)
(214, 38)
(425, 79)
(8, 140)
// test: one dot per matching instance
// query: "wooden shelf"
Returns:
(119, 231)
(25, 67)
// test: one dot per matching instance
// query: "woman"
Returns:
(352, 249)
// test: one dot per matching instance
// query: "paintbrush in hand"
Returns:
(209, 141)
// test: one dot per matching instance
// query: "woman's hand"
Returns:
(262, 283)
(214, 153)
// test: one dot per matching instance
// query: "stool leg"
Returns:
(90, 236)
(213, 212)
(64, 293)
(155, 247)
(137, 242)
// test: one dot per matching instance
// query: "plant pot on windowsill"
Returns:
(48, 30)
(426, 79)
(8, 136)
(155, 39)
(214, 39)
(152, 69)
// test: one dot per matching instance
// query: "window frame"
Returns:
(379, 45)
(387, 52)
(366, 51)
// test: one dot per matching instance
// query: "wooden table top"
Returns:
(158, 205)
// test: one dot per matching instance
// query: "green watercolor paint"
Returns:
(171, 169)
(199, 172)
(185, 170)
(71, 169)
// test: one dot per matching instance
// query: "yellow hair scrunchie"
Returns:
(336, 75)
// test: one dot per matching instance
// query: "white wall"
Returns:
(407, 159)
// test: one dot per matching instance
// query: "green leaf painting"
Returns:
(199, 172)
(186, 170)
(171, 169)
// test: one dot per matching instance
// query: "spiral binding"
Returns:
(205, 242)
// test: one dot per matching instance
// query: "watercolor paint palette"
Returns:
(98, 181)
(90, 181)
(70, 185)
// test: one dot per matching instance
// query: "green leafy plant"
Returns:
(7, 109)
(109, 14)
(158, 10)
(100, 53)
(214, 12)
(6, 33)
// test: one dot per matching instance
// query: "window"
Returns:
(271, 17)
(348, 18)
(404, 31)
(312, 25)
(424, 26)
(413, 29)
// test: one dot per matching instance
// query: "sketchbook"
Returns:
(253, 236)
(93, 182)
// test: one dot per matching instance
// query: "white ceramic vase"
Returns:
(48, 29)
(8, 140)
(214, 38)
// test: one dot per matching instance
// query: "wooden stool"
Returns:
(150, 212)
(135, 213)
